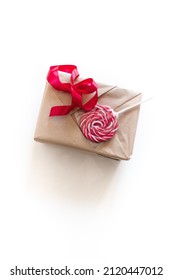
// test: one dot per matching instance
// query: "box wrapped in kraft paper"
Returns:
(65, 130)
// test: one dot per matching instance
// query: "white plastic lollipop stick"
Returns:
(131, 107)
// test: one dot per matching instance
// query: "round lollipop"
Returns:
(99, 124)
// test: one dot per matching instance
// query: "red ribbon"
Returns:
(87, 86)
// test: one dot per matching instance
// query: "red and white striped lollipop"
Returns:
(99, 124)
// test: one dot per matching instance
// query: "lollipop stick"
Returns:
(133, 106)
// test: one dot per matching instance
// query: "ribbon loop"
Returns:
(87, 86)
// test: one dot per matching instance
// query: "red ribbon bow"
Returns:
(76, 90)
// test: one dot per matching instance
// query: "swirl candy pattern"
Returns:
(99, 124)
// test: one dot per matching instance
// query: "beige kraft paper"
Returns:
(65, 130)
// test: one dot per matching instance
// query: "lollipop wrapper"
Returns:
(65, 130)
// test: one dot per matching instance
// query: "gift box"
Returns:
(64, 129)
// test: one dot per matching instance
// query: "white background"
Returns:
(61, 206)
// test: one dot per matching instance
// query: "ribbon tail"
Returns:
(60, 110)
(91, 103)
